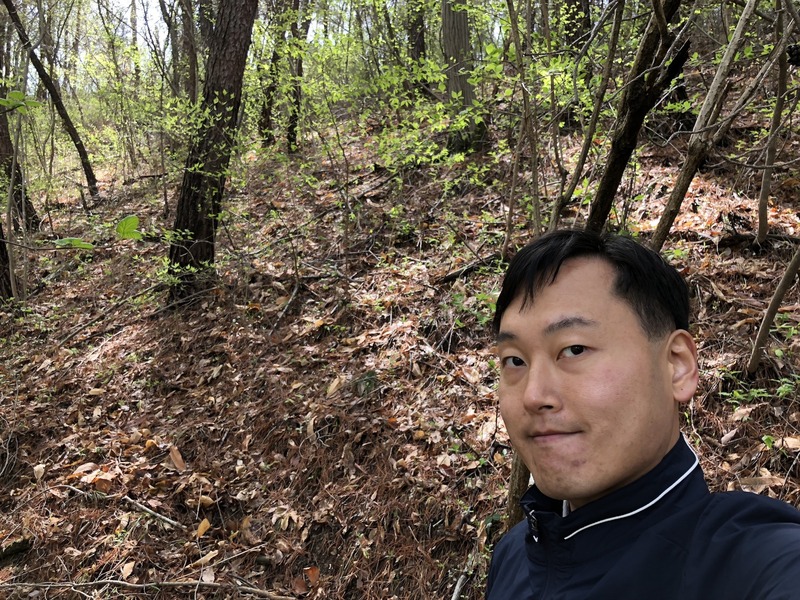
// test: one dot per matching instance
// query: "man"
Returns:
(595, 364)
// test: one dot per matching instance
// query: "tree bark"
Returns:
(645, 83)
(702, 138)
(415, 28)
(299, 35)
(763, 331)
(6, 291)
(192, 257)
(189, 39)
(774, 129)
(91, 180)
(458, 55)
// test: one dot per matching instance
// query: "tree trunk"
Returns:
(192, 257)
(774, 129)
(205, 23)
(189, 50)
(6, 291)
(299, 33)
(588, 135)
(703, 136)
(172, 31)
(23, 207)
(644, 84)
(517, 485)
(458, 55)
(763, 331)
(91, 181)
(269, 87)
(415, 29)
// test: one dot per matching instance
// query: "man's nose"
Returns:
(541, 389)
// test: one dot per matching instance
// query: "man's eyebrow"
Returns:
(554, 327)
(505, 336)
(569, 322)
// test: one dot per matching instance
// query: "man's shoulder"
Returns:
(745, 508)
(748, 546)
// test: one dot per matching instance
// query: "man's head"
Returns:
(595, 361)
(653, 289)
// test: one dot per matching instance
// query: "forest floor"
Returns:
(324, 424)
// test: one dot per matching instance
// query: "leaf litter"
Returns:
(323, 424)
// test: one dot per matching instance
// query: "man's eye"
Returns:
(573, 350)
(513, 361)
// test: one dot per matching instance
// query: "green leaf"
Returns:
(72, 242)
(127, 228)
(16, 96)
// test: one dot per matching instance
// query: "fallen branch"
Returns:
(145, 586)
(153, 513)
(463, 271)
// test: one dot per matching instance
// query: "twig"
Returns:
(131, 501)
(146, 586)
(153, 513)
(453, 275)
(285, 307)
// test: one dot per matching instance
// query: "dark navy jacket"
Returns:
(664, 536)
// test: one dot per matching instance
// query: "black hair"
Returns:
(652, 288)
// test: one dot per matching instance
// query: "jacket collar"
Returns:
(677, 473)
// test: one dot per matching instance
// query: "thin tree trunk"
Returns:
(22, 203)
(517, 485)
(6, 291)
(192, 258)
(763, 331)
(645, 83)
(91, 181)
(774, 128)
(172, 31)
(703, 134)
(189, 49)
(270, 87)
(458, 54)
(299, 33)
(588, 135)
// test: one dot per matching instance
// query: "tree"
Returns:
(55, 96)
(650, 74)
(191, 257)
(9, 167)
(6, 291)
(708, 129)
(458, 54)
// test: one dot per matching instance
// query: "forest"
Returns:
(249, 253)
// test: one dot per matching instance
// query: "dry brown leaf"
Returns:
(177, 459)
(761, 481)
(96, 392)
(127, 569)
(200, 562)
(204, 526)
(299, 585)
(313, 574)
(726, 439)
(207, 575)
(792, 443)
(334, 386)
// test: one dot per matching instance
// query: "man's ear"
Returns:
(682, 358)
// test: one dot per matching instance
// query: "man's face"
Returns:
(590, 403)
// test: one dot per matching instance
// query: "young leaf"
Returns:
(127, 228)
(72, 242)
